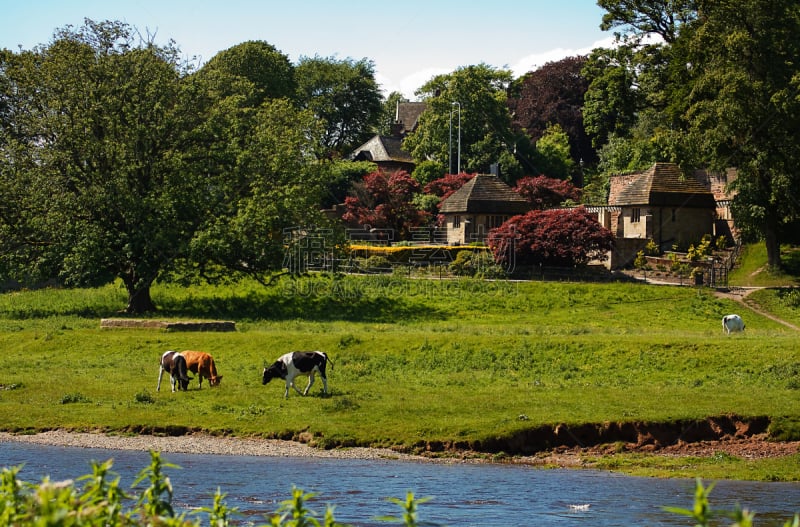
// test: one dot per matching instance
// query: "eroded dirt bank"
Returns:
(629, 435)
(562, 445)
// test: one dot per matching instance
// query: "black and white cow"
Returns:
(175, 364)
(732, 323)
(295, 363)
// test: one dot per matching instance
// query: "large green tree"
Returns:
(719, 91)
(270, 73)
(134, 166)
(745, 109)
(94, 125)
(468, 106)
(344, 96)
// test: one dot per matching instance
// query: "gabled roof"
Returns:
(662, 185)
(485, 194)
(382, 148)
(407, 115)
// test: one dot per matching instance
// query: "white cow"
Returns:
(732, 323)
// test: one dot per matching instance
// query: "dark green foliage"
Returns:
(476, 264)
(266, 69)
(785, 429)
(344, 96)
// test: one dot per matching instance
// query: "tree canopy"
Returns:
(386, 201)
(717, 90)
(554, 95)
(123, 163)
(344, 96)
(558, 237)
(467, 107)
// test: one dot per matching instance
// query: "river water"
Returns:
(460, 494)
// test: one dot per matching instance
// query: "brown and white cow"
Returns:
(292, 364)
(175, 364)
(202, 364)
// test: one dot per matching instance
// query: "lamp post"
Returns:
(450, 145)
(457, 105)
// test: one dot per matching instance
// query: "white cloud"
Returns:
(537, 60)
(410, 83)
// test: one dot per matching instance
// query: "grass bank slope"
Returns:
(418, 364)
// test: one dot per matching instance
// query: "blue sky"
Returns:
(409, 42)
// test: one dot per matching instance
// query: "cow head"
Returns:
(215, 380)
(276, 371)
(183, 383)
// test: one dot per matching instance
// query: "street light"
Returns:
(450, 148)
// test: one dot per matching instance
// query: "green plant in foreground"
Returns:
(409, 506)
(294, 513)
(702, 514)
(100, 503)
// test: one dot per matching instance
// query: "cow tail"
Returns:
(328, 359)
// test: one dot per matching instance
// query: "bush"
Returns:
(375, 264)
(556, 237)
(479, 264)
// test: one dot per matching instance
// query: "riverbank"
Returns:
(751, 448)
(202, 443)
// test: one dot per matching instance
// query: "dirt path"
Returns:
(740, 294)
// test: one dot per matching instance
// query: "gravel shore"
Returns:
(750, 448)
(205, 444)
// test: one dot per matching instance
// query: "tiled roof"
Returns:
(382, 148)
(408, 114)
(662, 185)
(485, 194)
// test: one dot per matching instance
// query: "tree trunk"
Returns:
(139, 300)
(772, 242)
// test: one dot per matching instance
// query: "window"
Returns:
(636, 215)
(456, 222)
(492, 222)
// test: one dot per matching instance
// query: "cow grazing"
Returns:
(202, 365)
(732, 323)
(295, 363)
(175, 364)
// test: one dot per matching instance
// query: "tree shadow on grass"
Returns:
(323, 308)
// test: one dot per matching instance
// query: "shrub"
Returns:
(377, 264)
(74, 398)
(478, 264)
(144, 398)
(559, 237)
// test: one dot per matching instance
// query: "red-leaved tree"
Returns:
(445, 186)
(557, 237)
(545, 192)
(385, 201)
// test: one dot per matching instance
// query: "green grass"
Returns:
(416, 361)
(752, 270)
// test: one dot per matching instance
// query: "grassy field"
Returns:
(416, 361)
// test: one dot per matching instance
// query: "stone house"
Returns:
(387, 151)
(658, 204)
(718, 183)
(482, 203)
